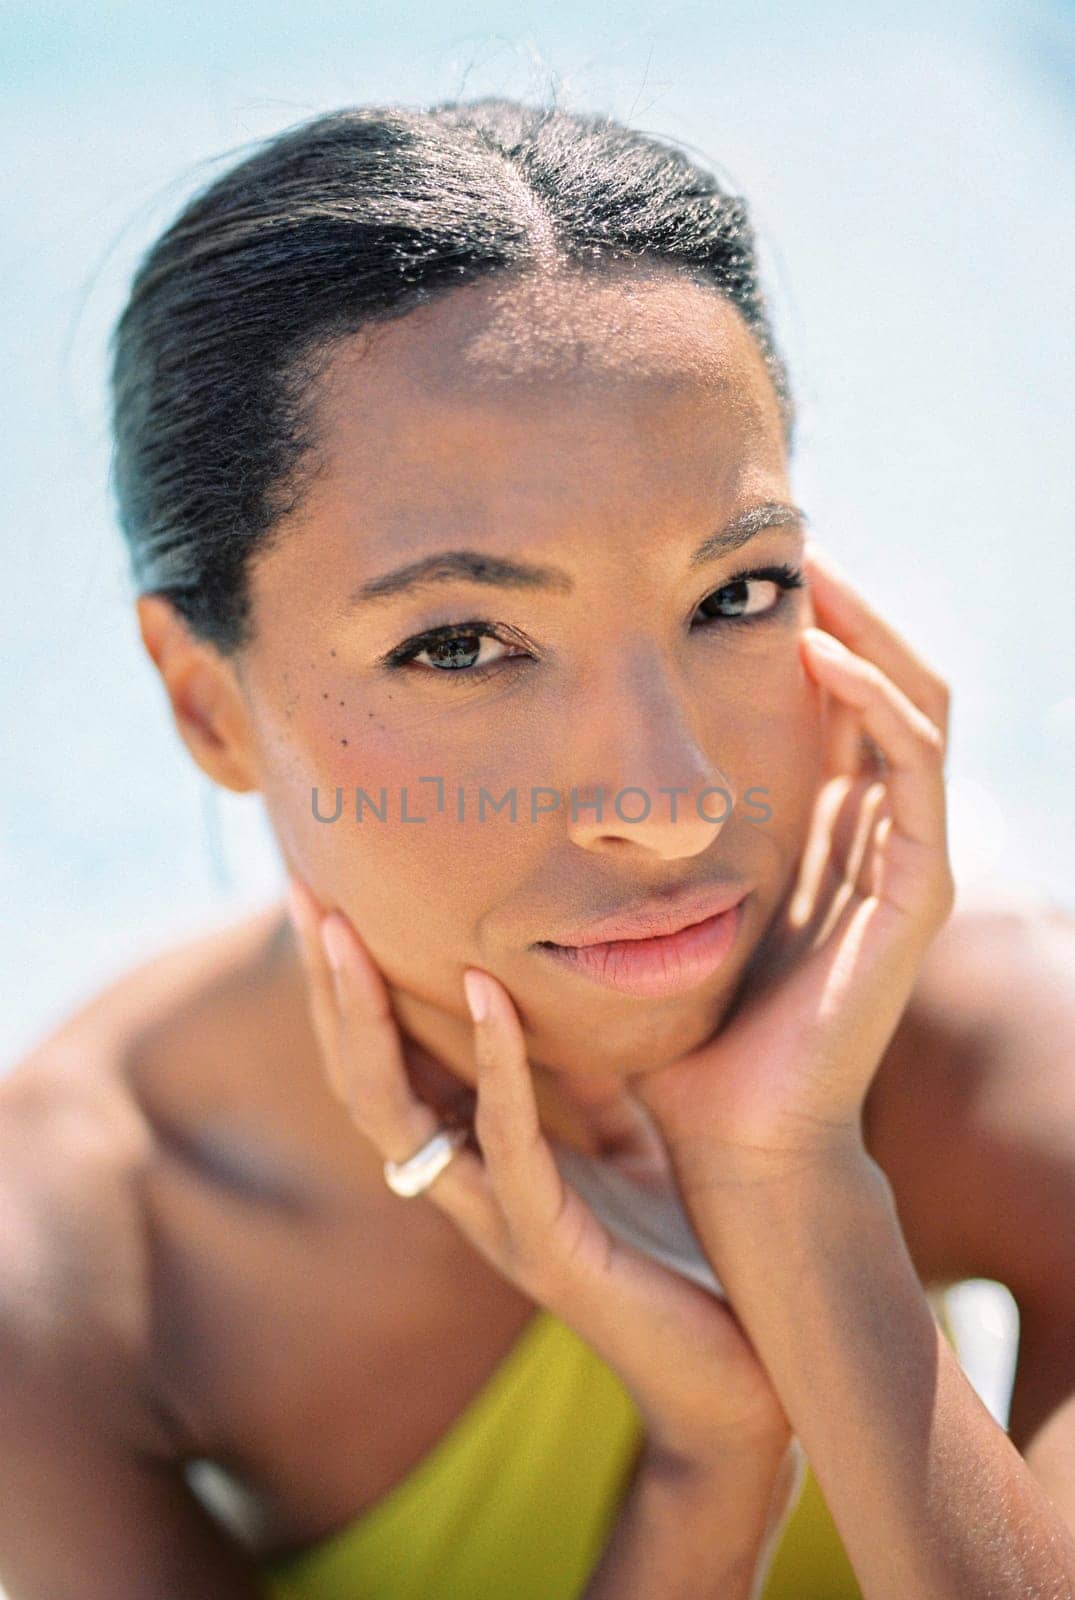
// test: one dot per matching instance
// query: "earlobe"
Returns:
(207, 708)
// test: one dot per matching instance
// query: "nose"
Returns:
(646, 782)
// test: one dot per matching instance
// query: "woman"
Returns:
(452, 450)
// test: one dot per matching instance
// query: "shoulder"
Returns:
(972, 1111)
(176, 984)
(74, 1268)
(78, 1155)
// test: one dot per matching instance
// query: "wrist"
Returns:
(716, 1175)
(691, 1528)
(740, 1501)
(786, 1219)
(812, 1239)
(744, 1475)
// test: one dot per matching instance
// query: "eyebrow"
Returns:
(453, 566)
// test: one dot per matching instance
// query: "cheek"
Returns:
(785, 751)
(803, 718)
(418, 844)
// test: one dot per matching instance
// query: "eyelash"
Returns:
(784, 576)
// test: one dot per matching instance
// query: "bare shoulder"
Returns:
(972, 1111)
(74, 1268)
(164, 990)
(76, 1146)
(977, 970)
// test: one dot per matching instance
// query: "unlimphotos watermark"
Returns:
(543, 800)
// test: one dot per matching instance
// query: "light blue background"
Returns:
(912, 177)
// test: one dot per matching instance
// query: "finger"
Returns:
(547, 1216)
(854, 832)
(618, 1299)
(871, 875)
(912, 745)
(829, 854)
(517, 1156)
(856, 848)
(843, 612)
(379, 1095)
(306, 914)
(819, 873)
(560, 1250)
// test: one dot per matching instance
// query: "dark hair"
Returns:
(346, 219)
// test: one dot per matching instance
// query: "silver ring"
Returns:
(409, 1178)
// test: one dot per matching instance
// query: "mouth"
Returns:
(677, 944)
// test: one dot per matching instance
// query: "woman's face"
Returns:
(597, 431)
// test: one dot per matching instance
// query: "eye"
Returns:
(454, 648)
(457, 648)
(744, 607)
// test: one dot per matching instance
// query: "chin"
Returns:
(652, 1034)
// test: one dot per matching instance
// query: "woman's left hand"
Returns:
(783, 1081)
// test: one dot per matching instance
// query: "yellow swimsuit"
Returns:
(518, 1497)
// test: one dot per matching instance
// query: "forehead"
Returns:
(543, 403)
(505, 413)
(627, 332)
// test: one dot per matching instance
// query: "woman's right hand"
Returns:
(705, 1400)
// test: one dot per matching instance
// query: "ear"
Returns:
(208, 706)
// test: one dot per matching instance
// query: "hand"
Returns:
(784, 1080)
(704, 1398)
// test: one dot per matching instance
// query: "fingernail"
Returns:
(334, 941)
(477, 993)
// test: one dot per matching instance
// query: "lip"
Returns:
(654, 968)
(657, 916)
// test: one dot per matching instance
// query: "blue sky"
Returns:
(912, 177)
